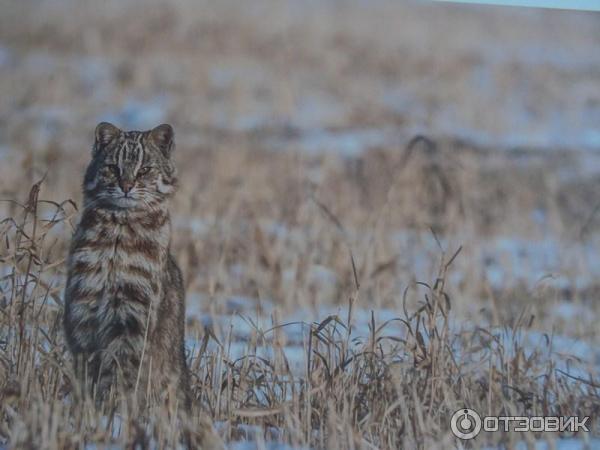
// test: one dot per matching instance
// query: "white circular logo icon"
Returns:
(465, 424)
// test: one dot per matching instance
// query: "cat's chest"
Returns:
(114, 253)
(120, 262)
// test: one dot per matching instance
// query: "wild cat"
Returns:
(124, 299)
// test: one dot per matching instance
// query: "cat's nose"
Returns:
(126, 186)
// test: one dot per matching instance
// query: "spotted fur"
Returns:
(124, 299)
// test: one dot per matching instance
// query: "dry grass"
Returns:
(392, 387)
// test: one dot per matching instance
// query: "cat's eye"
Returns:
(113, 168)
(144, 170)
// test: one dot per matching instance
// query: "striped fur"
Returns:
(124, 300)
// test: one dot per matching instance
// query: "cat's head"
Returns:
(130, 169)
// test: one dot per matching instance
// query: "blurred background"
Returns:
(339, 76)
(293, 121)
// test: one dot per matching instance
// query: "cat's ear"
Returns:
(105, 133)
(163, 137)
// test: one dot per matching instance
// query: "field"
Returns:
(388, 212)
